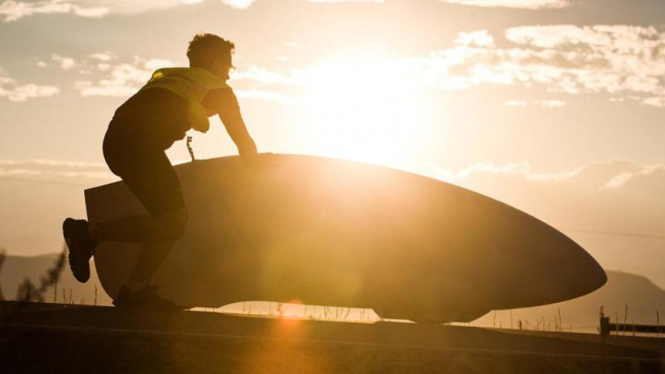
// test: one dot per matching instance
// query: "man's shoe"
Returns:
(81, 247)
(146, 298)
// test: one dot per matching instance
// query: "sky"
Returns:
(553, 106)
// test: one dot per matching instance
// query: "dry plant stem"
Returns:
(29, 292)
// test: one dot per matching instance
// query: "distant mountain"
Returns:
(641, 296)
(17, 268)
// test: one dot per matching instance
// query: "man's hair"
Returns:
(206, 48)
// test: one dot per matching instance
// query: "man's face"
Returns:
(222, 67)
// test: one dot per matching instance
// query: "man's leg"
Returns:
(156, 233)
(143, 229)
(150, 176)
(153, 181)
(153, 253)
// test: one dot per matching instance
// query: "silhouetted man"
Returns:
(173, 101)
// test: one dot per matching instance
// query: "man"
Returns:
(173, 101)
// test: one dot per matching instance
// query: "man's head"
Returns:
(211, 52)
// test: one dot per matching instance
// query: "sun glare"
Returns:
(362, 109)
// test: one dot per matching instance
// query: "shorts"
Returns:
(143, 166)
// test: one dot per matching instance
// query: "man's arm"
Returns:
(225, 103)
(237, 130)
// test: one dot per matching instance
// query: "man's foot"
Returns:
(145, 298)
(81, 247)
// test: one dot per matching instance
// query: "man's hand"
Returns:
(262, 160)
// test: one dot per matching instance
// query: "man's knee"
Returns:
(175, 222)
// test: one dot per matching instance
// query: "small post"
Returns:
(658, 330)
(604, 324)
(189, 148)
(3, 256)
(625, 319)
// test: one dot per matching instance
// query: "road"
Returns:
(50, 337)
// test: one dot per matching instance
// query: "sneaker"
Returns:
(146, 298)
(81, 247)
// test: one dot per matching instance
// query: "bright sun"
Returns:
(362, 109)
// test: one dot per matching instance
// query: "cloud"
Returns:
(346, 1)
(58, 172)
(293, 45)
(523, 4)
(626, 62)
(522, 169)
(609, 59)
(155, 63)
(624, 38)
(594, 176)
(104, 76)
(103, 56)
(122, 79)
(479, 38)
(239, 4)
(264, 95)
(551, 103)
(15, 92)
(66, 63)
(624, 179)
(263, 76)
(516, 103)
(130, 7)
(541, 103)
(658, 101)
(618, 180)
(15, 10)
